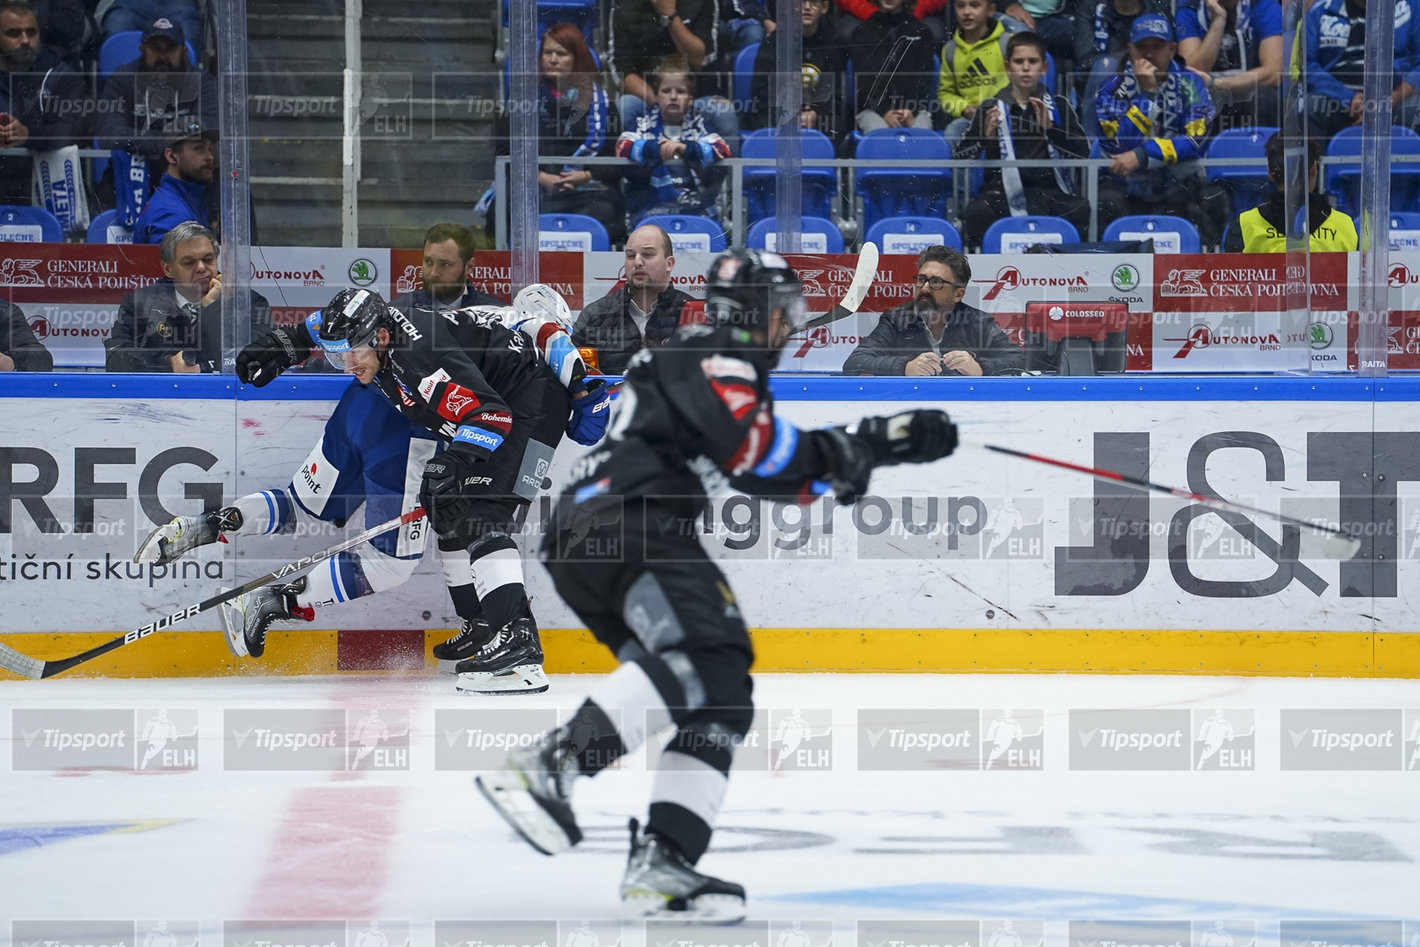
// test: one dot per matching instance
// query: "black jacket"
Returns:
(1066, 136)
(893, 65)
(637, 42)
(901, 335)
(824, 71)
(18, 341)
(151, 328)
(50, 100)
(420, 299)
(606, 325)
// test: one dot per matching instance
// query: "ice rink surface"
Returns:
(865, 810)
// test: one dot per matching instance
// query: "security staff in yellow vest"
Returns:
(1262, 229)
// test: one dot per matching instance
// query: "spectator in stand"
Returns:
(823, 74)
(1025, 121)
(973, 64)
(1263, 229)
(891, 53)
(20, 351)
(672, 151)
(642, 313)
(1237, 47)
(644, 32)
(42, 100)
(67, 28)
(175, 325)
(182, 192)
(445, 272)
(117, 16)
(1102, 43)
(1155, 116)
(143, 100)
(743, 22)
(1336, 53)
(1051, 20)
(937, 333)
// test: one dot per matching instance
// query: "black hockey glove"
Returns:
(270, 354)
(446, 476)
(912, 437)
(849, 464)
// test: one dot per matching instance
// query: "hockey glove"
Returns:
(270, 355)
(590, 413)
(849, 464)
(446, 476)
(913, 437)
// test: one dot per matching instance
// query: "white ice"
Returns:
(1250, 855)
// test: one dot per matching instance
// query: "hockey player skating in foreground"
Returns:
(694, 418)
(459, 375)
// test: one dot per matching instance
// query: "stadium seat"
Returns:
(1404, 230)
(912, 234)
(817, 235)
(1171, 234)
(820, 184)
(1343, 181)
(1016, 234)
(574, 232)
(20, 223)
(121, 48)
(689, 233)
(1248, 184)
(102, 229)
(742, 81)
(921, 191)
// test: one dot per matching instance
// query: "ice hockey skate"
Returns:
(533, 793)
(471, 639)
(170, 541)
(660, 883)
(510, 663)
(247, 618)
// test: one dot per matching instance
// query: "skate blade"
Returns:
(507, 792)
(232, 625)
(706, 909)
(524, 679)
(152, 548)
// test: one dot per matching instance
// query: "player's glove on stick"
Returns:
(849, 462)
(446, 476)
(912, 437)
(271, 354)
(590, 413)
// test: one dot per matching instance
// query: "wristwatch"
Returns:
(665, 20)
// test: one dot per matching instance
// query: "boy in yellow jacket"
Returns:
(973, 64)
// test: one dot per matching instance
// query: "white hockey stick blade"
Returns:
(863, 276)
(17, 663)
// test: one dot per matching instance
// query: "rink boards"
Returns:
(978, 562)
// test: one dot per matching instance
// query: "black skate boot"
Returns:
(510, 663)
(168, 542)
(660, 882)
(247, 617)
(533, 792)
(464, 645)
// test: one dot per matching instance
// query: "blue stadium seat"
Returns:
(921, 191)
(1015, 234)
(1404, 230)
(121, 48)
(688, 232)
(1171, 234)
(743, 76)
(818, 235)
(912, 234)
(102, 229)
(20, 223)
(1248, 184)
(577, 233)
(820, 185)
(1343, 181)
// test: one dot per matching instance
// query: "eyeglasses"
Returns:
(935, 282)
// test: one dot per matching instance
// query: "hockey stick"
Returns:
(12, 660)
(1337, 543)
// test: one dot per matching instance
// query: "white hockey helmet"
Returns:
(538, 303)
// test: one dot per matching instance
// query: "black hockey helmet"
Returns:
(745, 287)
(351, 320)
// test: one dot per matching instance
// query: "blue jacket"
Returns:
(174, 200)
(1328, 30)
(1256, 20)
(1165, 128)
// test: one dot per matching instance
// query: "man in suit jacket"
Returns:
(20, 351)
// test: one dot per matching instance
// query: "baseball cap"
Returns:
(186, 127)
(1151, 26)
(162, 26)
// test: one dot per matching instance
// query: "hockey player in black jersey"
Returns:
(482, 389)
(693, 418)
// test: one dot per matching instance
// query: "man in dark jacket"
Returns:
(175, 325)
(42, 103)
(642, 314)
(444, 274)
(20, 351)
(824, 66)
(937, 334)
(894, 72)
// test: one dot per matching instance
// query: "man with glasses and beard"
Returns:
(937, 333)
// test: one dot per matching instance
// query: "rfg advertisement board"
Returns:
(974, 540)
